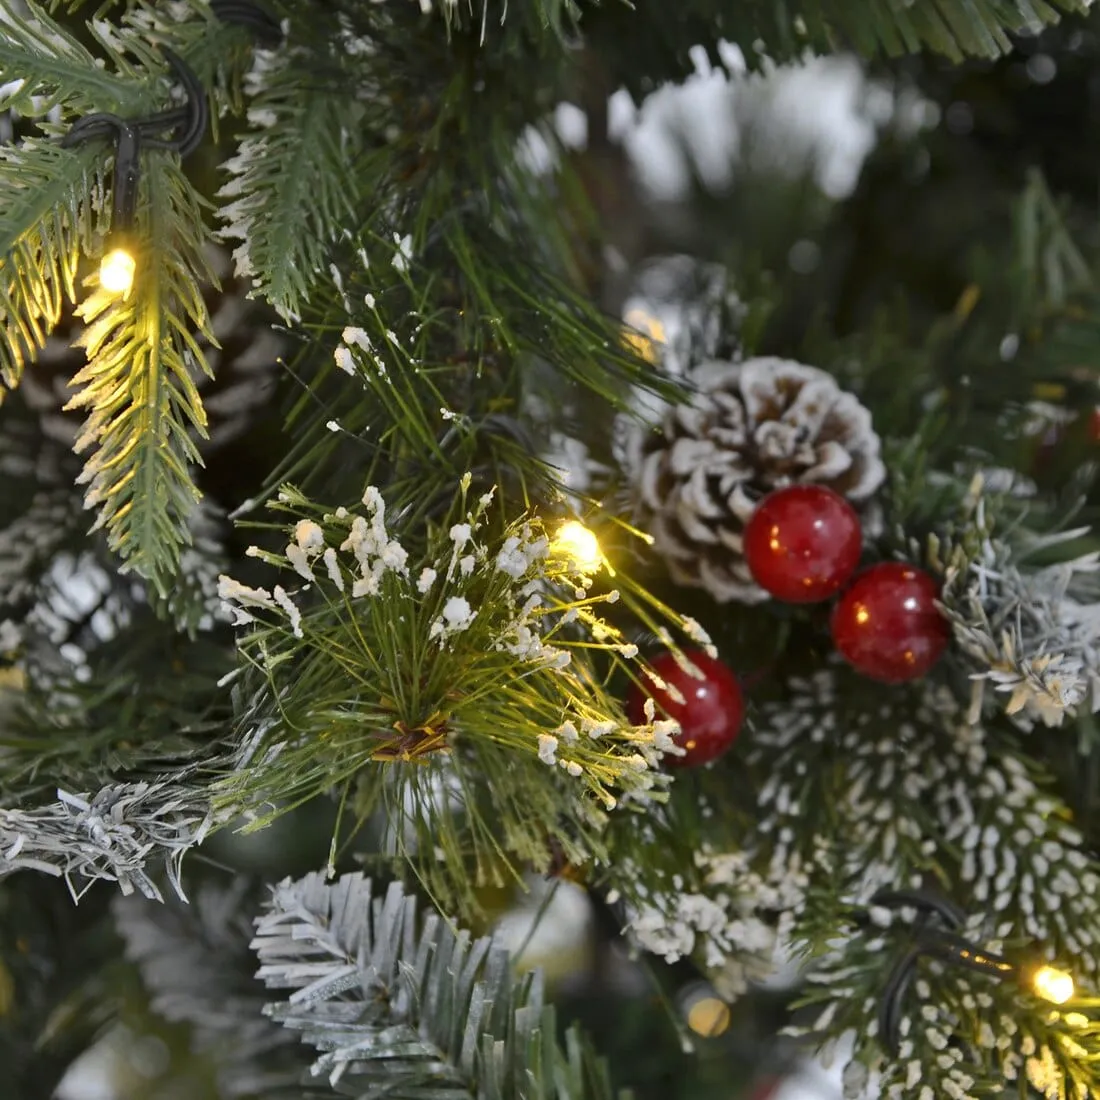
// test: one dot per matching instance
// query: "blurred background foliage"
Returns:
(931, 223)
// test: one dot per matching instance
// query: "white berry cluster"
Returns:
(722, 911)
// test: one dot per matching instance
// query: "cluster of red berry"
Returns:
(803, 545)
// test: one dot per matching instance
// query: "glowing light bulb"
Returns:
(644, 333)
(116, 272)
(1052, 985)
(709, 1017)
(580, 545)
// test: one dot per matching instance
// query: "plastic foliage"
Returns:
(113, 834)
(137, 386)
(410, 1008)
(1026, 625)
(446, 670)
(962, 1034)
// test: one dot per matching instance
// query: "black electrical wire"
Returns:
(127, 161)
(244, 13)
(936, 935)
(185, 125)
(894, 992)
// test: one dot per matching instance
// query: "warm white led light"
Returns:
(574, 541)
(116, 272)
(1052, 985)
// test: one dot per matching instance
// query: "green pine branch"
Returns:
(552, 19)
(137, 705)
(980, 28)
(419, 674)
(411, 1009)
(294, 182)
(772, 30)
(50, 214)
(961, 1034)
(1048, 267)
(138, 385)
(43, 65)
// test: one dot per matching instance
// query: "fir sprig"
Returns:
(981, 28)
(962, 1036)
(295, 179)
(138, 385)
(411, 1008)
(43, 65)
(52, 212)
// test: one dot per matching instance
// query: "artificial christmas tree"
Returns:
(381, 458)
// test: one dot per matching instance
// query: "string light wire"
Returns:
(178, 129)
(937, 935)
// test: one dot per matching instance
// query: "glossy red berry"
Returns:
(712, 711)
(887, 625)
(803, 543)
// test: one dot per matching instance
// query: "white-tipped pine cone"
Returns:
(680, 312)
(750, 428)
(243, 364)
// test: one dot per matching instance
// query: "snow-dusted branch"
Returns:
(113, 835)
(400, 1006)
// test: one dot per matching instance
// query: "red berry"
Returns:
(802, 543)
(765, 1088)
(887, 625)
(710, 715)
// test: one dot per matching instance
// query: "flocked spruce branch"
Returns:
(1031, 634)
(975, 817)
(44, 66)
(400, 1006)
(961, 1035)
(116, 834)
(294, 178)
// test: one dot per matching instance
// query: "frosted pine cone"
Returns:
(244, 364)
(680, 312)
(749, 428)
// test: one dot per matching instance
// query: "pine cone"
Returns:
(749, 428)
(243, 366)
(680, 312)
